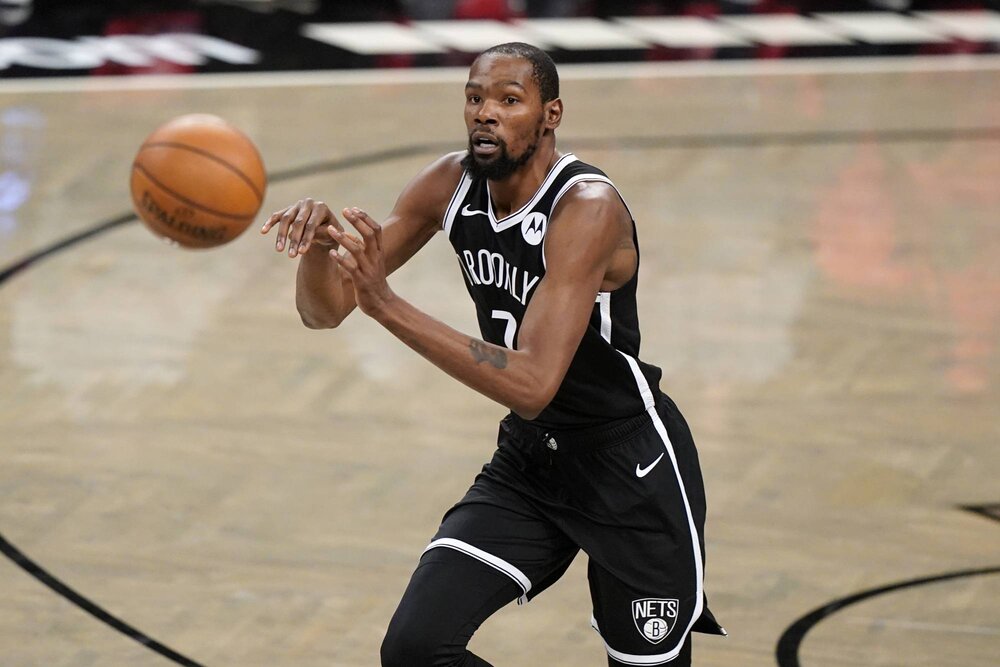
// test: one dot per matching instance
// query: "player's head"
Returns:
(512, 105)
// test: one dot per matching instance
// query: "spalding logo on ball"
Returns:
(198, 181)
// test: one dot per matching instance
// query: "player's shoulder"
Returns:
(590, 191)
(590, 195)
(586, 183)
(591, 207)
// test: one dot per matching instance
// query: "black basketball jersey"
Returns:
(503, 262)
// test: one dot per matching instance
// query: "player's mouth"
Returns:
(484, 144)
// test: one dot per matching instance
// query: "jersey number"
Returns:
(508, 335)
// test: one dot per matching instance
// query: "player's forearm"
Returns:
(320, 295)
(509, 377)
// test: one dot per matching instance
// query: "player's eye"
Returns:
(510, 99)
(473, 99)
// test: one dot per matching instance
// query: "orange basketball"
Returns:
(197, 180)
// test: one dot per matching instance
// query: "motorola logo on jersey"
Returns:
(533, 227)
(491, 268)
(654, 619)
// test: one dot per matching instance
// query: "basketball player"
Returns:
(592, 456)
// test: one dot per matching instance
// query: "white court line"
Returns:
(567, 72)
(922, 626)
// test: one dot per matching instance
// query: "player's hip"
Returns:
(645, 462)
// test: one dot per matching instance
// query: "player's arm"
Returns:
(584, 233)
(323, 294)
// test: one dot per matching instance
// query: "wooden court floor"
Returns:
(820, 283)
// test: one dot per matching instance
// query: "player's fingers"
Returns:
(271, 221)
(356, 218)
(374, 230)
(335, 222)
(361, 220)
(284, 223)
(348, 263)
(337, 260)
(298, 226)
(317, 217)
(331, 232)
(352, 216)
(352, 244)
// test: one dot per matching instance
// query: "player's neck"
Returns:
(514, 191)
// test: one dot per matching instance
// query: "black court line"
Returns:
(62, 589)
(788, 645)
(379, 157)
(990, 511)
(26, 262)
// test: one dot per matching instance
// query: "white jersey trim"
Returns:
(579, 178)
(516, 217)
(604, 299)
(456, 199)
(648, 401)
(496, 563)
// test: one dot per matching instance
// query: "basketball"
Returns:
(198, 181)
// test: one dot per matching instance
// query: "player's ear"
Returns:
(553, 113)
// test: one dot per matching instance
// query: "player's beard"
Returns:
(501, 165)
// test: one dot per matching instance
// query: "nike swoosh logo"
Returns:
(468, 212)
(641, 472)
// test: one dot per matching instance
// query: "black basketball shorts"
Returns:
(629, 494)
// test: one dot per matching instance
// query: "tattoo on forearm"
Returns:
(483, 352)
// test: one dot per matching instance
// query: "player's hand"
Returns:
(303, 224)
(363, 260)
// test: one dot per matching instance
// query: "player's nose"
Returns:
(486, 114)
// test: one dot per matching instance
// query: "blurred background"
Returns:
(83, 36)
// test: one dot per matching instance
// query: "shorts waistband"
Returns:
(579, 439)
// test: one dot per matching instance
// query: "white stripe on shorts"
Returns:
(629, 659)
(661, 429)
(489, 559)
